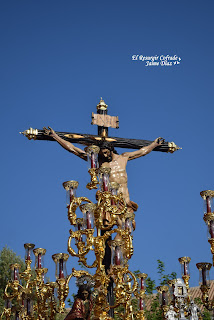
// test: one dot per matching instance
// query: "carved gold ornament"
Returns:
(86, 240)
(173, 147)
(92, 148)
(207, 193)
(30, 133)
(70, 185)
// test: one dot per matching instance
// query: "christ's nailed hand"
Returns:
(49, 132)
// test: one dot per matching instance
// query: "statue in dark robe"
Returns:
(82, 305)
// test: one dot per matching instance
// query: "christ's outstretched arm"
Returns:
(65, 144)
(143, 151)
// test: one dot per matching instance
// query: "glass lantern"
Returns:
(28, 304)
(80, 226)
(127, 224)
(60, 260)
(207, 196)
(141, 304)
(39, 257)
(142, 281)
(92, 154)
(163, 295)
(70, 187)
(164, 298)
(184, 261)
(15, 271)
(204, 268)
(142, 285)
(171, 284)
(88, 215)
(210, 227)
(104, 173)
(28, 250)
(114, 186)
(117, 258)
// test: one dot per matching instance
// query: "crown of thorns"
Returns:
(106, 145)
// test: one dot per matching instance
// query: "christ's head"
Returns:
(106, 151)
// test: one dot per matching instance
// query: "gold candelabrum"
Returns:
(184, 261)
(163, 297)
(204, 282)
(113, 225)
(207, 196)
(204, 267)
(95, 226)
(27, 296)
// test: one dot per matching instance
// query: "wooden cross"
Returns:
(103, 121)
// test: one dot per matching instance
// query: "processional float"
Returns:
(114, 284)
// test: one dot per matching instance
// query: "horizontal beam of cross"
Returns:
(88, 139)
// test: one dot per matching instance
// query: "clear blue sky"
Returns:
(57, 59)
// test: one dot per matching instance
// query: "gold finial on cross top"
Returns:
(101, 105)
(101, 119)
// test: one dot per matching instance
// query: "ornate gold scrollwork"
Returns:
(75, 203)
(94, 181)
(125, 282)
(104, 206)
(83, 248)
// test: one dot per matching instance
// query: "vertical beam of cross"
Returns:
(103, 132)
(102, 109)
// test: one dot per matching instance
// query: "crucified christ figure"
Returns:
(108, 157)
